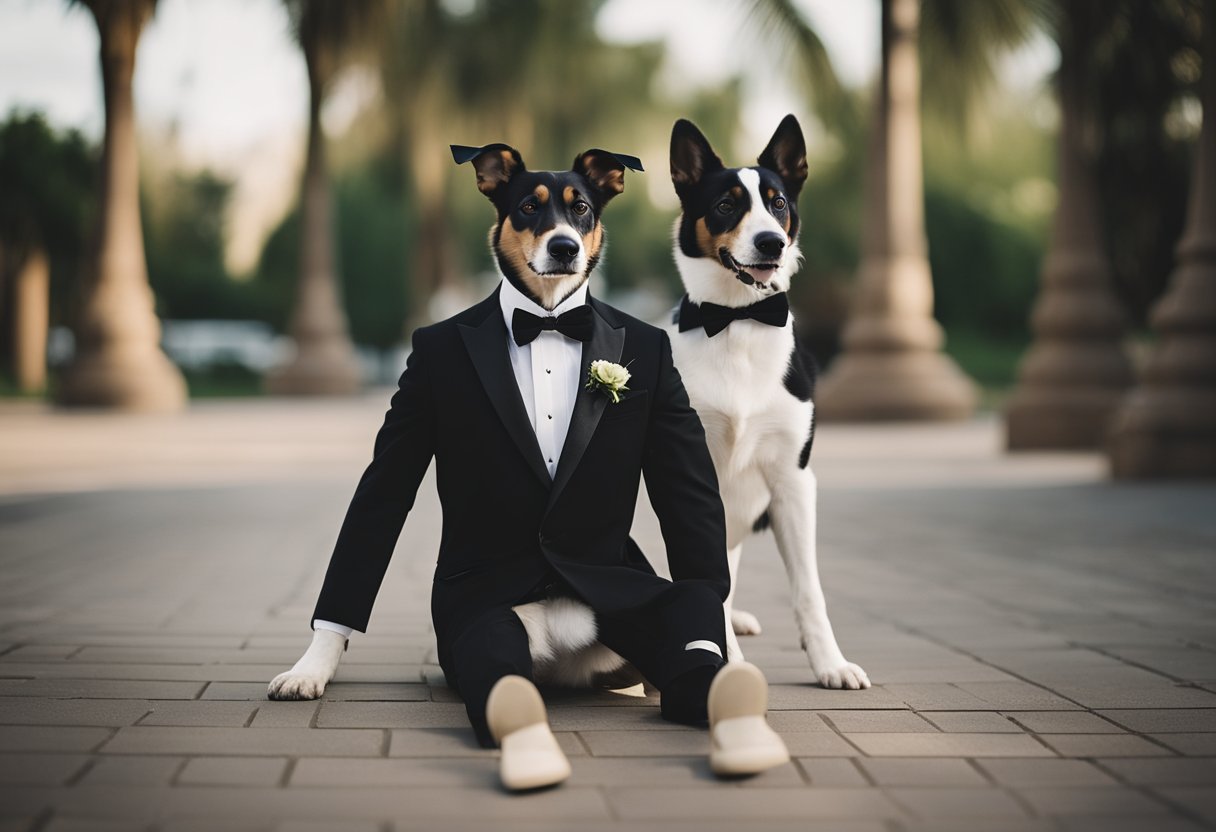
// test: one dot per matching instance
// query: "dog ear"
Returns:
(691, 156)
(495, 164)
(605, 169)
(786, 155)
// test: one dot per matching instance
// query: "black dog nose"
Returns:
(563, 248)
(769, 243)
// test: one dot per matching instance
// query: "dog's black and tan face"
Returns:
(738, 228)
(548, 236)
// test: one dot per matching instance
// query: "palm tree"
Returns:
(324, 362)
(892, 366)
(118, 360)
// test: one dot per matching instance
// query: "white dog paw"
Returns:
(292, 685)
(744, 623)
(843, 675)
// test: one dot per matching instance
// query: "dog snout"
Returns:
(563, 249)
(769, 243)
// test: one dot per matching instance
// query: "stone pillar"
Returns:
(118, 361)
(324, 362)
(892, 366)
(31, 316)
(1076, 370)
(1166, 426)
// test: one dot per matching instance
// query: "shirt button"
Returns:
(550, 415)
(548, 370)
(550, 460)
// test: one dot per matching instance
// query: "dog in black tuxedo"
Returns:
(539, 453)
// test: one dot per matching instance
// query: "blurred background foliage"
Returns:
(537, 75)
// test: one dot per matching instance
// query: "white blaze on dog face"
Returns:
(737, 235)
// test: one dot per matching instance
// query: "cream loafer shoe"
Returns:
(742, 740)
(531, 757)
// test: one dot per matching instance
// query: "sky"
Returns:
(226, 79)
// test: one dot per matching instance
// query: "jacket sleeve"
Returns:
(385, 494)
(682, 484)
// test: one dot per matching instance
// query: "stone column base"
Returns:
(1165, 433)
(890, 386)
(144, 380)
(1055, 419)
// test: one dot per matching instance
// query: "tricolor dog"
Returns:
(736, 248)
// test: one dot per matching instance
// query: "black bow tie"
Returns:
(774, 311)
(576, 324)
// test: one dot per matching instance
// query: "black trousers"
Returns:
(653, 640)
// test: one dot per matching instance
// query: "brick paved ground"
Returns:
(1042, 642)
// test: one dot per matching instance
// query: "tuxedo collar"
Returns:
(510, 299)
(485, 337)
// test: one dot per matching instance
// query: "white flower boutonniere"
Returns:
(609, 378)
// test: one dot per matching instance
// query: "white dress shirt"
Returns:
(547, 371)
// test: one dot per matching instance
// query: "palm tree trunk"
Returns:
(892, 366)
(31, 316)
(324, 362)
(1166, 427)
(1076, 370)
(118, 360)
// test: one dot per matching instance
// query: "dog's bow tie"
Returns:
(576, 324)
(774, 311)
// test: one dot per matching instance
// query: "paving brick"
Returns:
(1064, 722)
(100, 689)
(850, 722)
(469, 772)
(1163, 771)
(233, 771)
(285, 714)
(671, 771)
(1092, 801)
(1007, 696)
(946, 802)
(332, 742)
(929, 771)
(1193, 745)
(1200, 801)
(831, 772)
(949, 745)
(39, 769)
(199, 712)
(1103, 745)
(972, 722)
(638, 804)
(396, 715)
(669, 744)
(936, 696)
(47, 738)
(1169, 721)
(96, 712)
(133, 771)
(1053, 773)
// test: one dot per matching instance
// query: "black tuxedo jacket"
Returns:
(506, 524)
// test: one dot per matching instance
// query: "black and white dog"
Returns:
(733, 341)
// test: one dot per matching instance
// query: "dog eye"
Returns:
(528, 207)
(725, 206)
(779, 204)
(580, 207)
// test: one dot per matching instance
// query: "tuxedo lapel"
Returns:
(607, 342)
(487, 346)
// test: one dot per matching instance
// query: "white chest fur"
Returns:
(753, 425)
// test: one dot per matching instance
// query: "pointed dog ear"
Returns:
(691, 156)
(786, 156)
(495, 164)
(605, 169)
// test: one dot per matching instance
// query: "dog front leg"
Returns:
(793, 517)
(309, 676)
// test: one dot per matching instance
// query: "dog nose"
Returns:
(563, 248)
(769, 243)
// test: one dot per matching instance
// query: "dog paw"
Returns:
(844, 675)
(292, 685)
(744, 623)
